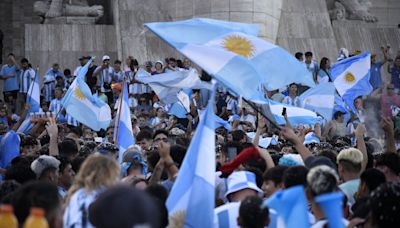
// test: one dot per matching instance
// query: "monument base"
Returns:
(71, 20)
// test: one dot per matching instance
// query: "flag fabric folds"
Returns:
(33, 95)
(123, 134)
(233, 54)
(351, 78)
(82, 105)
(9, 148)
(193, 193)
(168, 85)
(295, 115)
(291, 206)
(332, 206)
(320, 99)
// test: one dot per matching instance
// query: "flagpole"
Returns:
(119, 111)
(265, 116)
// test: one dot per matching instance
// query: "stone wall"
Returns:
(48, 43)
(305, 26)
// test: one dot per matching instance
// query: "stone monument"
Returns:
(68, 12)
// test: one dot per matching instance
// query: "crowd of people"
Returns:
(72, 173)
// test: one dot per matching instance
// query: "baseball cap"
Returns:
(242, 180)
(105, 57)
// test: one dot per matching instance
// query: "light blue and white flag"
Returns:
(168, 85)
(81, 104)
(9, 148)
(332, 206)
(222, 123)
(295, 115)
(33, 95)
(351, 78)
(291, 206)
(178, 110)
(123, 134)
(320, 99)
(193, 193)
(263, 142)
(233, 54)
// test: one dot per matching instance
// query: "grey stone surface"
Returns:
(46, 44)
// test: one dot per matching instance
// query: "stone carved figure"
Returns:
(351, 10)
(73, 8)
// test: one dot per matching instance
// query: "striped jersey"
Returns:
(49, 85)
(26, 77)
(55, 106)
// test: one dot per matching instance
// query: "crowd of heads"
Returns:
(71, 171)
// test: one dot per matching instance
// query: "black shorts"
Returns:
(12, 94)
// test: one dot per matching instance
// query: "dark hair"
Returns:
(172, 59)
(123, 207)
(275, 174)
(372, 178)
(28, 141)
(295, 175)
(322, 64)
(36, 194)
(390, 160)
(20, 171)
(252, 213)
(144, 134)
(178, 153)
(160, 195)
(290, 85)
(160, 131)
(10, 54)
(67, 71)
(385, 205)
(337, 114)
(117, 61)
(308, 54)
(298, 55)
(238, 135)
(63, 164)
(24, 60)
(7, 188)
(68, 148)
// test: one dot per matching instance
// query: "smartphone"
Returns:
(232, 153)
(284, 111)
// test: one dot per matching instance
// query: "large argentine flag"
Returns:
(193, 192)
(82, 105)
(168, 85)
(233, 54)
(295, 115)
(351, 78)
(320, 99)
(123, 134)
(33, 95)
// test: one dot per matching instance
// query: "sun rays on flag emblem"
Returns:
(239, 45)
(349, 77)
(78, 94)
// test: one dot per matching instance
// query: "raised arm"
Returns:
(289, 134)
(388, 126)
(359, 134)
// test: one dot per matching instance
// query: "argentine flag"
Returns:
(82, 105)
(123, 134)
(351, 78)
(193, 193)
(320, 99)
(295, 115)
(233, 54)
(33, 95)
(168, 85)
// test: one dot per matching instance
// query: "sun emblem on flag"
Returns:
(349, 77)
(177, 219)
(78, 94)
(239, 45)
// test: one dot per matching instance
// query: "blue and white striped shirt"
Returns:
(118, 76)
(49, 84)
(55, 106)
(25, 79)
(104, 76)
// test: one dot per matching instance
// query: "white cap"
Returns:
(242, 180)
(106, 57)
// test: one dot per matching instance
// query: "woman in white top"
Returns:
(324, 72)
(96, 174)
(292, 99)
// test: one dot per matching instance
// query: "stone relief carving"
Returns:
(350, 10)
(48, 9)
